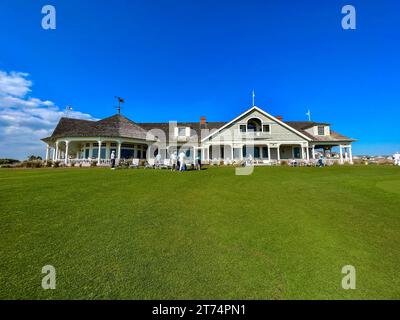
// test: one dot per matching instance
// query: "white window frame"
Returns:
(184, 129)
(269, 126)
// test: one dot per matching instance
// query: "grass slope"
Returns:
(281, 233)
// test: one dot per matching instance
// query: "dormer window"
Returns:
(182, 132)
(254, 125)
(321, 130)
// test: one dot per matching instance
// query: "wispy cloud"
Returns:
(24, 119)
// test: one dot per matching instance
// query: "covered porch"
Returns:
(343, 155)
(260, 152)
(98, 151)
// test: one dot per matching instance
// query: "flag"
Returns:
(121, 100)
(309, 115)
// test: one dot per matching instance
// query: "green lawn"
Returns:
(281, 233)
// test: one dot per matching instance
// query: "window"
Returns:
(127, 153)
(242, 128)
(321, 130)
(266, 128)
(182, 132)
(254, 125)
(296, 152)
(265, 152)
(257, 152)
(103, 153)
(236, 153)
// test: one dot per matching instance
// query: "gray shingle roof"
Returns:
(114, 126)
(303, 125)
(120, 126)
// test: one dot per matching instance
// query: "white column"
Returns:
(279, 153)
(108, 150)
(56, 152)
(340, 154)
(231, 152)
(194, 155)
(47, 152)
(66, 151)
(99, 154)
(118, 150)
(269, 152)
(308, 153)
(346, 156)
(313, 152)
(350, 155)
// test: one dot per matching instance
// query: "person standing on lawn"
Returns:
(158, 160)
(182, 161)
(396, 158)
(112, 160)
(173, 160)
(197, 164)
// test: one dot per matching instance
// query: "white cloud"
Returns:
(24, 120)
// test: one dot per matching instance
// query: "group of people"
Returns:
(178, 161)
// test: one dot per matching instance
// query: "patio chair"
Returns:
(149, 164)
(275, 163)
(166, 164)
(227, 162)
(135, 163)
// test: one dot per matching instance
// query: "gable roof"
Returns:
(265, 114)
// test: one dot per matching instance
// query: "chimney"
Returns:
(203, 120)
(280, 118)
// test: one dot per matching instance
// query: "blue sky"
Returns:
(179, 60)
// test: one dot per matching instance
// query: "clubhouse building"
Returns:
(253, 133)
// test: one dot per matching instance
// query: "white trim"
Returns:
(265, 114)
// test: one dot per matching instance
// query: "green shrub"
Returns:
(48, 163)
(8, 161)
(32, 164)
